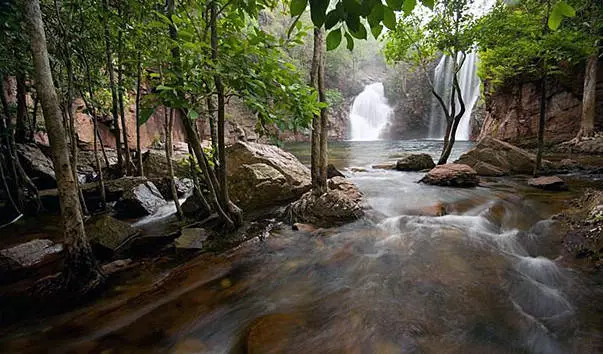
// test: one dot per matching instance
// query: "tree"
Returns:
(449, 31)
(82, 270)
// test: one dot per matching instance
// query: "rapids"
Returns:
(481, 279)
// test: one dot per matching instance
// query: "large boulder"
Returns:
(493, 157)
(415, 162)
(264, 175)
(155, 164)
(184, 186)
(194, 208)
(29, 257)
(341, 204)
(453, 175)
(107, 235)
(141, 200)
(549, 183)
(37, 166)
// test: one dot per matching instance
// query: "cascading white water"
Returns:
(470, 90)
(370, 113)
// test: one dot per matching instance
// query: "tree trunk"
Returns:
(587, 121)
(316, 120)
(323, 159)
(22, 130)
(82, 270)
(169, 124)
(111, 73)
(138, 88)
(212, 125)
(452, 126)
(122, 112)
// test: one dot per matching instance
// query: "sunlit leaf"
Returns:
(389, 18)
(333, 39)
(297, 7)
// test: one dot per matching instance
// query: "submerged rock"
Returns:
(106, 234)
(549, 183)
(385, 166)
(264, 175)
(341, 204)
(27, 257)
(141, 200)
(453, 175)
(37, 166)
(415, 162)
(275, 333)
(192, 239)
(493, 157)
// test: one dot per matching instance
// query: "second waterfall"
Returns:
(470, 90)
(370, 113)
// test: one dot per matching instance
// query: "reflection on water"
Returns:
(476, 280)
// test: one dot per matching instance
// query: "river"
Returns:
(480, 279)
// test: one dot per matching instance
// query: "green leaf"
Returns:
(318, 9)
(428, 3)
(192, 115)
(297, 7)
(376, 30)
(353, 22)
(389, 18)
(349, 41)
(560, 10)
(394, 4)
(145, 115)
(353, 7)
(333, 39)
(408, 6)
(360, 33)
(332, 19)
(163, 88)
(376, 15)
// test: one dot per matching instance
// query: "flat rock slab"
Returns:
(27, 258)
(192, 238)
(452, 175)
(549, 183)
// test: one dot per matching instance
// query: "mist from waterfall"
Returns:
(370, 113)
(469, 83)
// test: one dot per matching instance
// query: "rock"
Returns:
(438, 209)
(37, 166)
(264, 175)
(569, 164)
(453, 175)
(493, 157)
(155, 165)
(332, 171)
(28, 257)
(191, 239)
(549, 183)
(385, 166)
(358, 169)
(590, 145)
(298, 226)
(194, 208)
(141, 200)
(415, 162)
(106, 234)
(116, 266)
(341, 204)
(184, 186)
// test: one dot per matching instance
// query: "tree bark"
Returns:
(316, 120)
(452, 126)
(82, 270)
(138, 89)
(121, 90)
(169, 124)
(111, 73)
(22, 129)
(587, 120)
(323, 159)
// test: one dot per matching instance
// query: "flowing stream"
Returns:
(370, 113)
(469, 84)
(480, 279)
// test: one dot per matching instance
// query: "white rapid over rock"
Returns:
(370, 113)
(470, 91)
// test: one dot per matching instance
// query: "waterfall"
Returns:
(470, 91)
(370, 113)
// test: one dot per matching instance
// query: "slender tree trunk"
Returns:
(316, 120)
(83, 272)
(587, 121)
(111, 73)
(452, 127)
(323, 159)
(22, 133)
(138, 89)
(121, 91)
(212, 126)
(197, 190)
(34, 118)
(169, 124)
(99, 168)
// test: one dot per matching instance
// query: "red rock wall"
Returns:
(512, 112)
